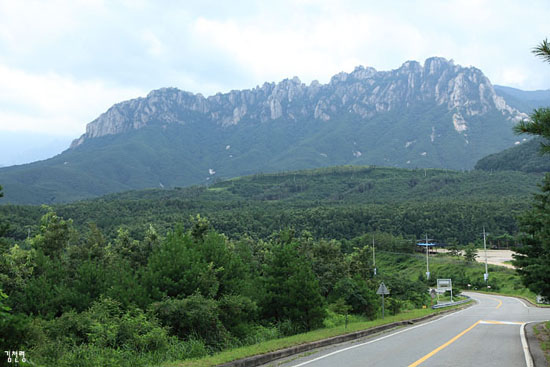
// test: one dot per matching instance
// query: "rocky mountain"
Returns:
(363, 93)
(522, 100)
(438, 114)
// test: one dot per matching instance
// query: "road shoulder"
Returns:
(535, 349)
(266, 358)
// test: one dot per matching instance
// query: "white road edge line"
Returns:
(523, 303)
(375, 340)
(528, 358)
(495, 322)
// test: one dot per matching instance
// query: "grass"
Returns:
(447, 298)
(277, 344)
(542, 331)
(217, 189)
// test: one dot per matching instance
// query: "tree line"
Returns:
(70, 296)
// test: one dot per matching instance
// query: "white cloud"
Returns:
(154, 45)
(313, 48)
(63, 62)
(512, 76)
(29, 25)
(53, 103)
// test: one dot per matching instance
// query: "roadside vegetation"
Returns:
(285, 342)
(542, 332)
(76, 298)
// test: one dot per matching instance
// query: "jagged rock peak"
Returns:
(434, 65)
(362, 93)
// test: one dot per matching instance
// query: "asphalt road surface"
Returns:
(486, 334)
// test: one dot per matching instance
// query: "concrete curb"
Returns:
(529, 301)
(508, 295)
(539, 360)
(271, 356)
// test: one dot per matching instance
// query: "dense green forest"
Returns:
(142, 277)
(73, 298)
(525, 157)
(332, 203)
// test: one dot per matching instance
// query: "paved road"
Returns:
(487, 334)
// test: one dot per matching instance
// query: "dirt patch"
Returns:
(496, 257)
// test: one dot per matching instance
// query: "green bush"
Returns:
(259, 333)
(357, 295)
(237, 313)
(286, 327)
(393, 305)
(105, 334)
(71, 327)
(194, 316)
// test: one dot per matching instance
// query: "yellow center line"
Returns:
(498, 300)
(433, 352)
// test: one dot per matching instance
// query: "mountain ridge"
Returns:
(435, 115)
(363, 92)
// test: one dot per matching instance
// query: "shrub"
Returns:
(111, 327)
(393, 305)
(194, 316)
(237, 313)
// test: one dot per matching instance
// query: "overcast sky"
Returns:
(62, 63)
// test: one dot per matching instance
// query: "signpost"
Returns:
(444, 285)
(427, 259)
(433, 294)
(486, 274)
(382, 290)
(373, 256)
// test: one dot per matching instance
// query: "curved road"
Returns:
(486, 334)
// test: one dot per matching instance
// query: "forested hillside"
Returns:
(435, 115)
(525, 157)
(339, 202)
(73, 297)
(141, 277)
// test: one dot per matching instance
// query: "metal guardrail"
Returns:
(447, 304)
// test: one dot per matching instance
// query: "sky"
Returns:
(64, 62)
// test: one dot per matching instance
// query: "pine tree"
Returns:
(292, 291)
(533, 258)
(539, 123)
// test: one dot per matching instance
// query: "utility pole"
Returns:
(486, 275)
(373, 256)
(427, 259)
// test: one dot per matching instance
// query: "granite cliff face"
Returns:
(436, 115)
(362, 94)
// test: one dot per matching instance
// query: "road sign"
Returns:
(382, 289)
(444, 284)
